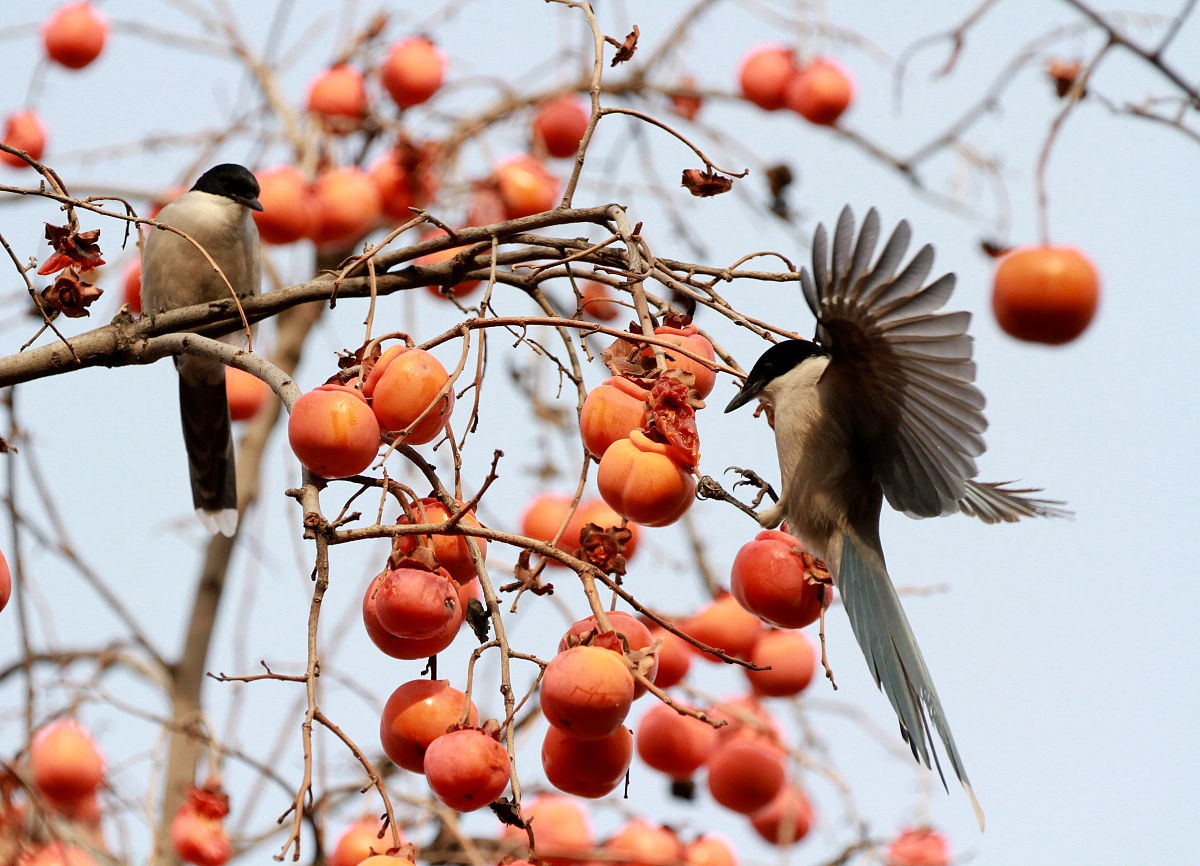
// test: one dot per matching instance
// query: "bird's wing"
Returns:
(905, 368)
(999, 502)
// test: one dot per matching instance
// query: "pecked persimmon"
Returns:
(919, 846)
(452, 551)
(789, 659)
(198, 828)
(333, 431)
(289, 213)
(347, 206)
(764, 75)
(416, 714)
(674, 743)
(689, 337)
(587, 691)
(246, 393)
(410, 388)
(769, 578)
(64, 761)
(23, 130)
(338, 96)
(639, 479)
(725, 625)
(787, 819)
(413, 71)
(75, 34)
(467, 768)
(415, 603)
(820, 91)
(1045, 294)
(610, 412)
(560, 123)
(404, 647)
(745, 773)
(586, 768)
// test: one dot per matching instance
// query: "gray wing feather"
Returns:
(994, 502)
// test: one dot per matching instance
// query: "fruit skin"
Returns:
(587, 692)
(403, 647)
(23, 130)
(467, 769)
(198, 833)
(560, 827)
(920, 846)
(644, 844)
(288, 213)
(333, 432)
(347, 206)
(586, 768)
(674, 658)
(451, 551)
(416, 714)
(560, 124)
(131, 286)
(416, 604)
(74, 35)
(689, 337)
(399, 189)
(525, 186)
(820, 91)
(461, 290)
(768, 579)
(725, 625)
(791, 660)
(788, 818)
(359, 841)
(610, 412)
(413, 71)
(597, 302)
(628, 632)
(5, 582)
(672, 743)
(339, 97)
(638, 479)
(709, 850)
(745, 772)
(246, 393)
(764, 75)
(64, 761)
(1045, 294)
(402, 385)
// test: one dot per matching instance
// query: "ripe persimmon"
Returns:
(452, 551)
(587, 691)
(288, 213)
(413, 71)
(788, 659)
(723, 624)
(410, 388)
(467, 768)
(246, 393)
(23, 130)
(74, 34)
(610, 412)
(1045, 294)
(416, 714)
(674, 743)
(639, 478)
(333, 431)
(405, 647)
(786, 819)
(769, 578)
(764, 75)
(745, 773)
(820, 91)
(586, 768)
(560, 123)
(64, 761)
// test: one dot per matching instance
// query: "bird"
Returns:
(216, 213)
(881, 404)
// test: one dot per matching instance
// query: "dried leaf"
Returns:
(626, 49)
(705, 183)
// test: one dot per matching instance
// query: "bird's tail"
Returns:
(887, 641)
(208, 437)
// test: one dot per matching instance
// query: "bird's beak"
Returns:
(252, 203)
(749, 391)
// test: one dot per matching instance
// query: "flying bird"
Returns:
(216, 214)
(881, 405)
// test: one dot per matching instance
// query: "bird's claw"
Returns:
(707, 487)
(753, 479)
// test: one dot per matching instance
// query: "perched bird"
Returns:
(882, 405)
(215, 213)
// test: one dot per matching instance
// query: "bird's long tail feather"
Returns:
(208, 437)
(887, 641)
